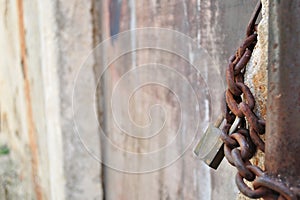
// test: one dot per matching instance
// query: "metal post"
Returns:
(283, 118)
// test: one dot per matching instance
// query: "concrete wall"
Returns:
(44, 44)
(35, 97)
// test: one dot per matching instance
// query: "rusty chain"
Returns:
(241, 146)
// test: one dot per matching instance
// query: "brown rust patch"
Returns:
(259, 83)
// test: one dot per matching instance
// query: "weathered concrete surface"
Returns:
(256, 74)
(11, 184)
(13, 103)
(75, 41)
(43, 51)
(35, 110)
(215, 25)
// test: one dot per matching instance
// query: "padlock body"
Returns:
(210, 147)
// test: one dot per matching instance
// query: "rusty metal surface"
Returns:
(283, 117)
(240, 147)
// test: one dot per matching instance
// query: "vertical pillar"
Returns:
(283, 117)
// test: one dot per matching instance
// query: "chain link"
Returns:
(241, 146)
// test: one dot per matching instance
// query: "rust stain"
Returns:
(259, 82)
(31, 129)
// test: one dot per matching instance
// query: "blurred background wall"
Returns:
(43, 45)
